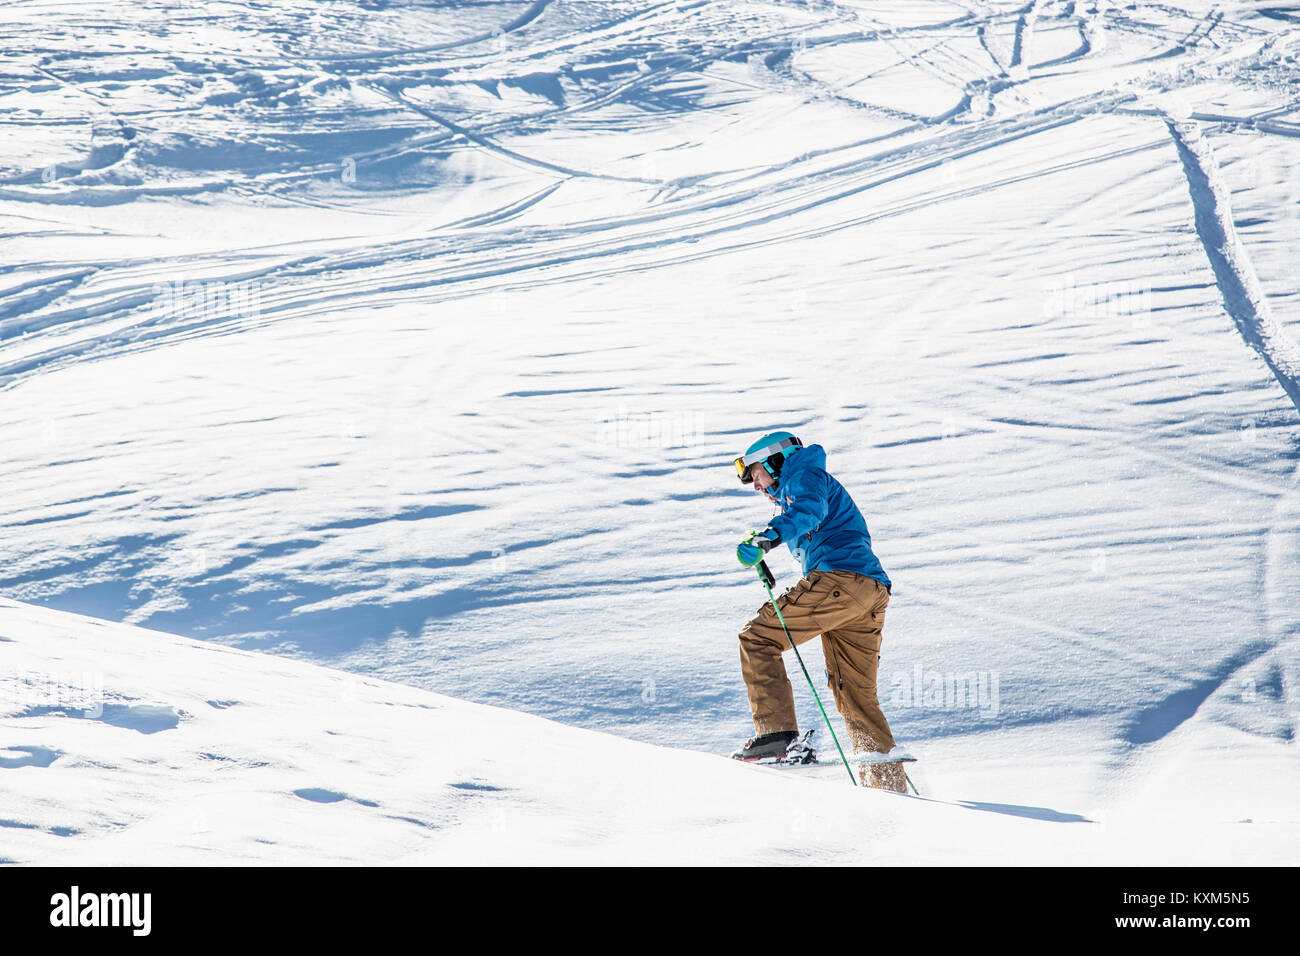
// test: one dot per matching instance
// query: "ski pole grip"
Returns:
(765, 574)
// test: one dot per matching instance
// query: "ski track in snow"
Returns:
(1242, 296)
(528, 157)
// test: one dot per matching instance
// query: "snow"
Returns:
(393, 360)
(267, 760)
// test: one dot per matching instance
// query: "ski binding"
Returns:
(799, 753)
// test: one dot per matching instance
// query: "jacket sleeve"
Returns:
(807, 510)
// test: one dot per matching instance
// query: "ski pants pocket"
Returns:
(803, 593)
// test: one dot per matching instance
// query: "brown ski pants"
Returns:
(848, 611)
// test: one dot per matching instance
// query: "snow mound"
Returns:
(229, 756)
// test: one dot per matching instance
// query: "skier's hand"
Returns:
(751, 550)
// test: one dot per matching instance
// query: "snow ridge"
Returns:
(1243, 296)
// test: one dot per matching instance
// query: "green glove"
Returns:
(750, 551)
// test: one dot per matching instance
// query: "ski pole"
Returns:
(765, 575)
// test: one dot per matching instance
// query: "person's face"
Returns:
(762, 480)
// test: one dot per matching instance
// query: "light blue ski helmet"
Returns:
(772, 450)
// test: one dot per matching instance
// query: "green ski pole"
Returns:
(765, 575)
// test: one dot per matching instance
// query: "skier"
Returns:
(842, 596)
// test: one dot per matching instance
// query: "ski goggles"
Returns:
(762, 454)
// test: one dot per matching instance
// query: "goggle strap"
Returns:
(770, 450)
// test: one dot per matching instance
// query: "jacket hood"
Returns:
(810, 456)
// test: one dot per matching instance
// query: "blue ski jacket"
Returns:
(819, 522)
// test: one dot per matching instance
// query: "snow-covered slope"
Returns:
(415, 339)
(126, 746)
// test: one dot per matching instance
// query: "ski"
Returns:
(890, 757)
(802, 753)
